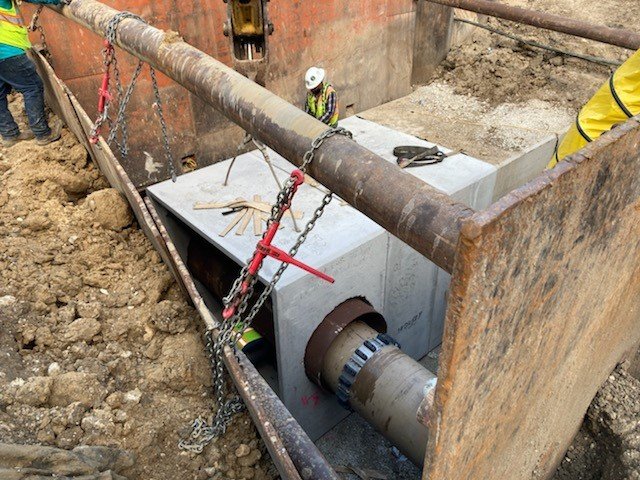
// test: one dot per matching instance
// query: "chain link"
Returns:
(35, 25)
(163, 124)
(124, 96)
(231, 329)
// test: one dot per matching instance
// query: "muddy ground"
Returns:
(98, 346)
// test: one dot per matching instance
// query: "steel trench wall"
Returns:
(419, 215)
(353, 39)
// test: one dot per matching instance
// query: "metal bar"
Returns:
(532, 43)
(291, 449)
(308, 460)
(421, 216)
(614, 36)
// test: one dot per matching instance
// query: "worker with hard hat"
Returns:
(17, 72)
(322, 100)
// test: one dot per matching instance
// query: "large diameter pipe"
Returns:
(416, 213)
(387, 392)
(619, 37)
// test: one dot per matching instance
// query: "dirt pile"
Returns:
(98, 345)
(493, 96)
(608, 444)
(497, 69)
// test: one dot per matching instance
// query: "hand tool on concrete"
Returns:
(414, 156)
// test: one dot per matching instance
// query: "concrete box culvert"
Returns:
(366, 261)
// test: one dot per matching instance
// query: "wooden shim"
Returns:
(260, 206)
(543, 304)
(236, 219)
(248, 213)
(257, 220)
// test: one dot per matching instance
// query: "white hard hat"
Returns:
(314, 77)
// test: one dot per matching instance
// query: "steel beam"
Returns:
(614, 36)
(421, 216)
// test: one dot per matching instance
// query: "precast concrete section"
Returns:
(387, 391)
(424, 218)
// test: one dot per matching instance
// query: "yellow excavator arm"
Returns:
(248, 28)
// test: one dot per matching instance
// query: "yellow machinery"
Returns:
(248, 28)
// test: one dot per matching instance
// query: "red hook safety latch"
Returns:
(265, 249)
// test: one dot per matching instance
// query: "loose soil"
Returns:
(98, 345)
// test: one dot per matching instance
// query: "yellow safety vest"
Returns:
(615, 102)
(12, 29)
(318, 109)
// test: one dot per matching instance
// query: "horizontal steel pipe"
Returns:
(421, 216)
(614, 36)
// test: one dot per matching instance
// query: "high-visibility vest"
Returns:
(615, 102)
(318, 108)
(12, 29)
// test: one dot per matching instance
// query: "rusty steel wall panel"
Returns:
(366, 46)
(545, 300)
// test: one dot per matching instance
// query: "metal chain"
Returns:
(124, 96)
(108, 59)
(231, 329)
(163, 124)
(35, 25)
(121, 119)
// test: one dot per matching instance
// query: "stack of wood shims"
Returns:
(245, 211)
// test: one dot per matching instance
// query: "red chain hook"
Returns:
(265, 249)
(103, 92)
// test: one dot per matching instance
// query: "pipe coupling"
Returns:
(356, 362)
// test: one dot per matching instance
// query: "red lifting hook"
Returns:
(103, 92)
(265, 249)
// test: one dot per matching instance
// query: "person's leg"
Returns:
(8, 127)
(24, 78)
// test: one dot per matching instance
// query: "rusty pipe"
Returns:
(418, 214)
(619, 37)
(388, 391)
